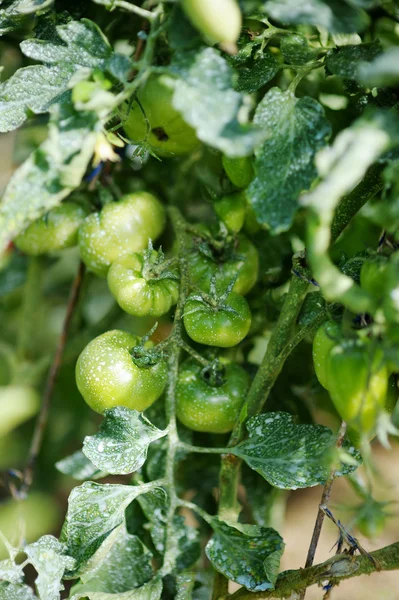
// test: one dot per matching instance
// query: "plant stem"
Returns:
(51, 380)
(201, 450)
(325, 498)
(141, 12)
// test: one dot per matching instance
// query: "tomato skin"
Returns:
(231, 209)
(161, 125)
(391, 291)
(136, 294)
(239, 170)
(324, 341)
(56, 230)
(106, 375)
(201, 407)
(219, 21)
(202, 268)
(358, 384)
(373, 275)
(215, 326)
(120, 228)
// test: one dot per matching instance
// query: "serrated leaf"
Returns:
(204, 94)
(297, 128)
(94, 510)
(124, 564)
(254, 69)
(249, 555)
(13, 12)
(11, 572)
(78, 466)
(79, 44)
(296, 50)
(15, 591)
(150, 591)
(345, 61)
(383, 71)
(290, 456)
(48, 557)
(50, 173)
(337, 16)
(121, 445)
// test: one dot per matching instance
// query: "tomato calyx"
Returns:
(145, 355)
(220, 247)
(155, 266)
(214, 374)
(214, 300)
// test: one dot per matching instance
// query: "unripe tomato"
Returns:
(138, 292)
(243, 259)
(219, 21)
(373, 275)
(391, 291)
(324, 341)
(223, 325)
(56, 230)
(107, 376)
(18, 403)
(120, 228)
(156, 122)
(231, 209)
(202, 407)
(358, 383)
(239, 170)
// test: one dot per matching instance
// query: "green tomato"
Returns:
(120, 228)
(242, 259)
(219, 21)
(231, 209)
(324, 341)
(202, 407)
(139, 293)
(156, 122)
(239, 170)
(18, 403)
(391, 291)
(358, 384)
(373, 275)
(223, 325)
(56, 230)
(106, 375)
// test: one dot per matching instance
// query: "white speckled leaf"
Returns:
(12, 12)
(383, 71)
(185, 584)
(15, 591)
(121, 445)
(50, 173)
(247, 554)
(78, 466)
(205, 97)
(48, 557)
(37, 87)
(297, 128)
(337, 16)
(124, 564)
(94, 510)
(150, 591)
(290, 456)
(345, 61)
(11, 572)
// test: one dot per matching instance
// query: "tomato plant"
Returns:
(199, 297)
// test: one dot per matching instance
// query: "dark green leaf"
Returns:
(247, 554)
(284, 165)
(121, 445)
(181, 33)
(205, 97)
(254, 68)
(290, 456)
(78, 466)
(383, 71)
(345, 61)
(296, 50)
(13, 274)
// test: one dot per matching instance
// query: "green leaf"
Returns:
(14, 12)
(124, 563)
(150, 591)
(11, 572)
(284, 165)
(345, 61)
(15, 591)
(121, 445)
(205, 97)
(47, 556)
(337, 16)
(78, 466)
(77, 45)
(290, 456)
(296, 50)
(247, 554)
(94, 510)
(254, 68)
(50, 173)
(383, 71)
(185, 584)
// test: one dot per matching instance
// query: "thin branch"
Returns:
(51, 380)
(141, 12)
(325, 498)
(337, 568)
